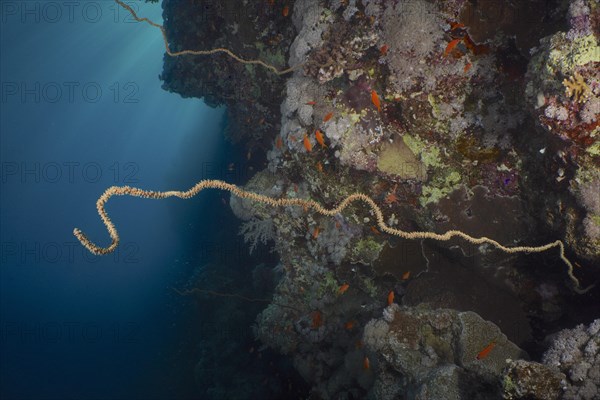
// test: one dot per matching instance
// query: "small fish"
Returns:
(486, 351)
(317, 319)
(467, 67)
(375, 231)
(328, 117)
(311, 103)
(366, 363)
(320, 138)
(295, 188)
(391, 198)
(320, 166)
(358, 344)
(451, 46)
(349, 325)
(315, 233)
(279, 142)
(338, 225)
(375, 100)
(307, 144)
(286, 11)
(384, 49)
(343, 288)
(390, 298)
(406, 276)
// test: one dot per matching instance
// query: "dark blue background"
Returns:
(74, 325)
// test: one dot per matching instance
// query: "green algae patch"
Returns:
(430, 156)
(440, 188)
(366, 251)
(559, 55)
(581, 51)
(594, 149)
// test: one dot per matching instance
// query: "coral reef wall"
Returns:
(481, 116)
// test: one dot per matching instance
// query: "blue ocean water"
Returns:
(82, 109)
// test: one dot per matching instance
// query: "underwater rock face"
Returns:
(251, 93)
(440, 351)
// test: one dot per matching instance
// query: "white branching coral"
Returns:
(257, 230)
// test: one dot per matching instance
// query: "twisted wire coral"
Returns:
(306, 204)
(202, 52)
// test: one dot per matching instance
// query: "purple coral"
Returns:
(579, 18)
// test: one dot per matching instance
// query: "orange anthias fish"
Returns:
(320, 138)
(384, 49)
(279, 142)
(317, 319)
(343, 288)
(366, 363)
(375, 100)
(390, 298)
(286, 11)
(467, 67)
(486, 351)
(375, 231)
(451, 46)
(320, 166)
(328, 117)
(307, 144)
(406, 276)
(349, 325)
(315, 233)
(311, 103)
(456, 25)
